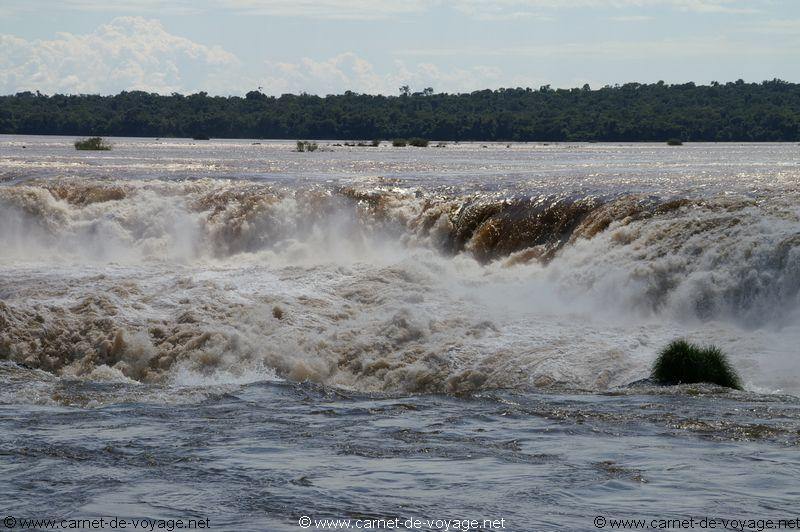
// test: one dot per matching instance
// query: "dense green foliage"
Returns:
(768, 111)
(418, 142)
(683, 363)
(92, 143)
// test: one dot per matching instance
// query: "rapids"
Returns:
(394, 284)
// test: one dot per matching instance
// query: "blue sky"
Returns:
(375, 46)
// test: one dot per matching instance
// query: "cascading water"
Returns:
(390, 288)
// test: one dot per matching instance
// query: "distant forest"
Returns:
(736, 111)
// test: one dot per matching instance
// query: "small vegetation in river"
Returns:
(674, 142)
(92, 143)
(682, 362)
(304, 145)
(400, 143)
(372, 144)
(201, 137)
(418, 142)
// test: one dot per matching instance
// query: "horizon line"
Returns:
(422, 93)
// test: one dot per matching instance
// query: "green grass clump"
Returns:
(304, 145)
(92, 143)
(674, 142)
(376, 143)
(418, 142)
(682, 362)
(399, 143)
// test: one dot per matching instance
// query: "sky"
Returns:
(229, 47)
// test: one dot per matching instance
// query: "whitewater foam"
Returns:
(388, 288)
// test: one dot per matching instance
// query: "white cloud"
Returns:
(616, 50)
(173, 7)
(126, 54)
(484, 9)
(479, 9)
(327, 9)
(133, 53)
(348, 71)
(377, 9)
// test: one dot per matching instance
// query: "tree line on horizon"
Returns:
(734, 111)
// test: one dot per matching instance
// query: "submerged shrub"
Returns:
(92, 143)
(418, 142)
(376, 143)
(674, 142)
(682, 362)
(399, 143)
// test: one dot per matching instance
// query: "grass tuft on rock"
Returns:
(682, 362)
(92, 143)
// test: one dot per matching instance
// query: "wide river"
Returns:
(456, 335)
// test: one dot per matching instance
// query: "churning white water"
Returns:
(399, 283)
(235, 331)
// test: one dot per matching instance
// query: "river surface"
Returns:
(236, 331)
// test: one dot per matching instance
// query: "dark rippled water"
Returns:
(234, 331)
(260, 456)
